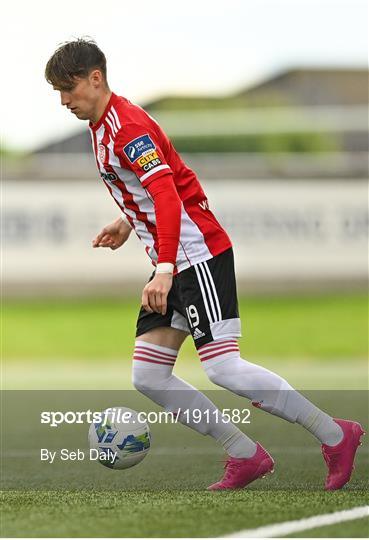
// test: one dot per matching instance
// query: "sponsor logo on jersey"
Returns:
(147, 158)
(102, 152)
(139, 147)
(204, 204)
(108, 177)
(149, 161)
(151, 165)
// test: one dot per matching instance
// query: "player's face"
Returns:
(82, 99)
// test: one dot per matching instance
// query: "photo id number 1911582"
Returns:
(236, 416)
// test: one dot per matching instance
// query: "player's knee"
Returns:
(215, 374)
(141, 380)
(219, 369)
(231, 372)
(146, 380)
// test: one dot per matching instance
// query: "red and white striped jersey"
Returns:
(131, 151)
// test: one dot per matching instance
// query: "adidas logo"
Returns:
(198, 334)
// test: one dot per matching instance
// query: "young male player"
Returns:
(193, 289)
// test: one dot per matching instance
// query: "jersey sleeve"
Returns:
(138, 149)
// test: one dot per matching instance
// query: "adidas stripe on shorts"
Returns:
(202, 302)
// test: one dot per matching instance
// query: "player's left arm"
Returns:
(168, 224)
(139, 149)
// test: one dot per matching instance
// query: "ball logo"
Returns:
(102, 152)
(120, 438)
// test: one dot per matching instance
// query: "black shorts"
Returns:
(202, 302)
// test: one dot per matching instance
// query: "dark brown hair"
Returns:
(73, 59)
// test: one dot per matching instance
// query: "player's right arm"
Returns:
(114, 235)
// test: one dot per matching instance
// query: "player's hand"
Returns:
(113, 236)
(155, 293)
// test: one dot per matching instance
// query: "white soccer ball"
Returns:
(120, 440)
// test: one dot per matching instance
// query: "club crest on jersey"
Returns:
(139, 147)
(102, 152)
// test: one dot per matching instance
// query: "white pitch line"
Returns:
(290, 527)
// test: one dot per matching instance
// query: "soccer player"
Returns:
(193, 288)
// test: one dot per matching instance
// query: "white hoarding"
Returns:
(281, 230)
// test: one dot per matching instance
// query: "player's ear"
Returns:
(96, 78)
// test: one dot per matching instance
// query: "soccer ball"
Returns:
(120, 440)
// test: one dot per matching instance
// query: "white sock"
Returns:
(320, 424)
(238, 445)
(267, 390)
(152, 376)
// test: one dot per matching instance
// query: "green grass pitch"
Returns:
(332, 327)
(317, 342)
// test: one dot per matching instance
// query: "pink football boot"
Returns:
(340, 458)
(239, 472)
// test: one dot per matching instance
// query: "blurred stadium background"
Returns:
(284, 164)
